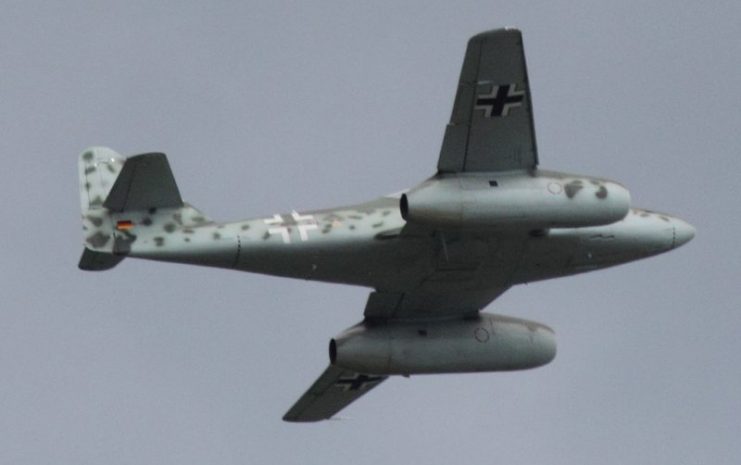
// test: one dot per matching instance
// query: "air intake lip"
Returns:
(332, 351)
(404, 206)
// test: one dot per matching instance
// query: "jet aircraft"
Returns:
(434, 255)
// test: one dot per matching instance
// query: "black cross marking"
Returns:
(357, 382)
(500, 100)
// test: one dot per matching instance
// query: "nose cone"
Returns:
(546, 343)
(683, 232)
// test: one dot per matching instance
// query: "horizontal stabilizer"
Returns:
(98, 261)
(145, 181)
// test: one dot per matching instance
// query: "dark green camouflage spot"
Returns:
(572, 188)
(122, 242)
(96, 221)
(98, 239)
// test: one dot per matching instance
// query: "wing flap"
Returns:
(335, 389)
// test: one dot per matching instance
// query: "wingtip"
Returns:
(508, 30)
(295, 419)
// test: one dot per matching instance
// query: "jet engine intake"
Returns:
(515, 200)
(487, 343)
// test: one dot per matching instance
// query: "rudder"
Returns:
(98, 169)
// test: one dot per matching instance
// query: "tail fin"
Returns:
(98, 169)
(115, 192)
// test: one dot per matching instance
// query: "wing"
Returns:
(335, 389)
(467, 272)
(459, 285)
(426, 304)
(491, 128)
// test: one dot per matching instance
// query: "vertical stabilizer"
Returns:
(98, 169)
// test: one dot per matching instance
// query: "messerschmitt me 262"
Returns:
(435, 255)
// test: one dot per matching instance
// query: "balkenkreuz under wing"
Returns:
(491, 128)
(335, 389)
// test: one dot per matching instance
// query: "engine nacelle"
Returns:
(536, 200)
(486, 343)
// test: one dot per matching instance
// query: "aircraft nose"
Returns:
(683, 232)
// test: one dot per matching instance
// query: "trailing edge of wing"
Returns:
(491, 128)
(335, 389)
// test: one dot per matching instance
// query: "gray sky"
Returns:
(267, 107)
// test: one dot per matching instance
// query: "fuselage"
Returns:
(370, 244)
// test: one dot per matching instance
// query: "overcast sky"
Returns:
(280, 105)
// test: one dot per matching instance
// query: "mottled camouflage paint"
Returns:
(98, 168)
